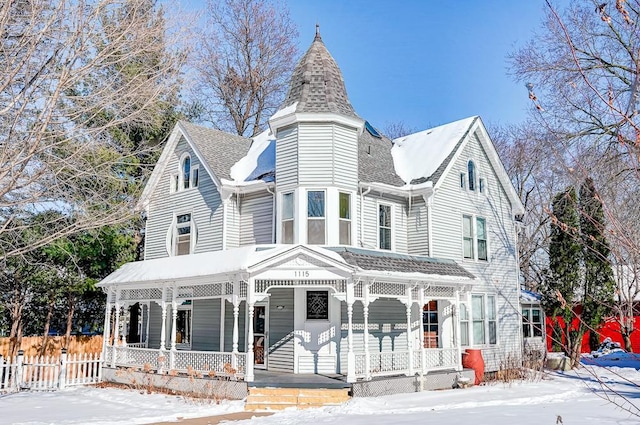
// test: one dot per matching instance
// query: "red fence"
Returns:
(609, 329)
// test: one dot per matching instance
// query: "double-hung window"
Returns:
(474, 238)
(384, 226)
(464, 325)
(485, 323)
(287, 218)
(316, 218)
(531, 322)
(345, 218)
(183, 234)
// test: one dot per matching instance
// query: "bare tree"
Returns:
(585, 69)
(395, 129)
(243, 62)
(71, 78)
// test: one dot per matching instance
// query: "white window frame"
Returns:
(488, 318)
(322, 218)
(348, 221)
(472, 175)
(291, 219)
(463, 181)
(177, 180)
(464, 325)
(391, 232)
(474, 238)
(527, 321)
(176, 233)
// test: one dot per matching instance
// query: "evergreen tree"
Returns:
(599, 284)
(559, 293)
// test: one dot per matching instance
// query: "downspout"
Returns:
(362, 195)
(428, 201)
(273, 216)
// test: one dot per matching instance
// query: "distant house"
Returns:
(321, 246)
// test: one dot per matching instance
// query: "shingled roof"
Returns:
(375, 163)
(220, 150)
(393, 262)
(317, 83)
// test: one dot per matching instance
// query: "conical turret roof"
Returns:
(317, 83)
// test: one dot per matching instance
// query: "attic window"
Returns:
(188, 175)
(372, 130)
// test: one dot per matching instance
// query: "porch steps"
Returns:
(266, 398)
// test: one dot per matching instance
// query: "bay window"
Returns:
(345, 218)
(287, 218)
(316, 218)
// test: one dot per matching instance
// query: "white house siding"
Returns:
(202, 202)
(418, 228)
(256, 218)
(155, 325)
(370, 223)
(228, 326)
(387, 328)
(281, 339)
(345, 150)
(287, 157)
(205, 334)
(232, 224)
(499, 275)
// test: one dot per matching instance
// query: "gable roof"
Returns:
(216, 150)
(317, 84)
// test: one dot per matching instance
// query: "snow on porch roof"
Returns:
(201, 265)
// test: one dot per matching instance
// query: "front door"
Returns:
(260, 335)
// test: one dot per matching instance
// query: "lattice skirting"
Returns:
(440, 380)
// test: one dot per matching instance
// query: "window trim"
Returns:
(320, 218)
(348, 220)
(527, 321)
(177, 179)
(471, 172)
(488, 304)
(464, 324)
(176, 233)
(475, 239)
(391, 231)
(291, 219)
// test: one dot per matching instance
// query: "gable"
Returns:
(215, 150)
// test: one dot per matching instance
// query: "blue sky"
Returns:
(423, 62)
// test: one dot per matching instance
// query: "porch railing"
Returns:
(203, 362)
(395, 363)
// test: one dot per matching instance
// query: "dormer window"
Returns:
(471, 173)
(187, 177)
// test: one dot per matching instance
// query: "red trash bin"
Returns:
(472, 359)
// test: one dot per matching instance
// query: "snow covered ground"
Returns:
(577, 397)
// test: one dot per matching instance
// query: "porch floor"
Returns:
(265, 378)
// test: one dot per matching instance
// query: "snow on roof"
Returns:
(203, 264)
(420, 154)
(285, 111)
(529, 296)
(259, 161)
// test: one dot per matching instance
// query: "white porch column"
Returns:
(148, 316)
(174, 321)
(351, 357)
(423, 351)
(365, 312)
(250, 355)
(125, 314)
(106, 329)
(456, 319)
(409, 336)
(235, 299)
(116, 326)
(163, 326)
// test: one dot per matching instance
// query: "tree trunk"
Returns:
(70, 313)
(15, 336)
(626, 337)
(47, 326)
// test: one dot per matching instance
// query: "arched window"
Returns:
(471, 172)
(186, 171)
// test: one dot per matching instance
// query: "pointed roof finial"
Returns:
(317, 32)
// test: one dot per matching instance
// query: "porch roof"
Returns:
(244, 260)
(389, 262)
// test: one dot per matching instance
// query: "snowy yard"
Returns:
(576, 397)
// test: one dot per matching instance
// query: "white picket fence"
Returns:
(49, 373)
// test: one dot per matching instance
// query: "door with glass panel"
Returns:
(260, 335)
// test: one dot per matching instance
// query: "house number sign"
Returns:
(301, 273)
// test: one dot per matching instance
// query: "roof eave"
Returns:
(283, 120)
(407, 191)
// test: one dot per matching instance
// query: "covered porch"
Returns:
(286, 309)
